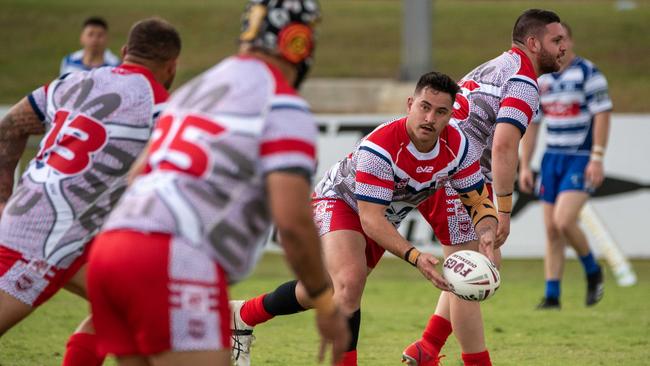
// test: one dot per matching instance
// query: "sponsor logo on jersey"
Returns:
(424, 169)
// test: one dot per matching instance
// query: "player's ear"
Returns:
(409, 103)
(533, 44)
(123, 52)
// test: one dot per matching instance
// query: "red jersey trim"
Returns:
(363, 177)
(518, 104)
(160, 94)
(287, 146)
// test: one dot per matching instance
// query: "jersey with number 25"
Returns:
(221, 135)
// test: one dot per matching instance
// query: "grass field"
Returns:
(359, 38)
(396, 305)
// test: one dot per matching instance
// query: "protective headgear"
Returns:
(284, 28)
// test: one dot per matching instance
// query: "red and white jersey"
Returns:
(222, 133)
(502, 90)
(98, 123)
(386, 168)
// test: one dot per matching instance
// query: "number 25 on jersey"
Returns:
(180, 145)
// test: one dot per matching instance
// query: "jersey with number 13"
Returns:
(97, 123)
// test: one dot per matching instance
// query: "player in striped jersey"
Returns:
(94, 54)
(360, 202)
(575, 106)
(96, 122)
(234, 150)
(496, 104)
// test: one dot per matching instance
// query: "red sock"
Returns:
(349, 359)
(477, 359)
(253, 312)
(436, 333)
(81, 350)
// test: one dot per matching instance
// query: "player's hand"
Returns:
(426, 264)
(503, 229)
(487, 243)
(526, 181)
(594, 174)
(334, 333)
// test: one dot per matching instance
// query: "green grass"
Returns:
(396, 305)
(359, 38)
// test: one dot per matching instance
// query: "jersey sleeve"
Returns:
(518, 103)
(468, 176)
(38, 101)
(596, 92)
(374, 180)
(156, 111)
(288, 141)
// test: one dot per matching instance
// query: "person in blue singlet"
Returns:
(575, 106)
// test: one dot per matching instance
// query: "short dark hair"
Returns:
(96, 22)
(532, 22)
(569, 32)
(437, 81)
(153, 39)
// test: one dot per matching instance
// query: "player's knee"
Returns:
(348, 295)
(564, 225)
(552, 232)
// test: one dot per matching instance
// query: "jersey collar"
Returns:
(526, 63)
(159, 92)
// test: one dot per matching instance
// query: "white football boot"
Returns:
(242, 336)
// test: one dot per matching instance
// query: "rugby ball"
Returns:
(471, 275)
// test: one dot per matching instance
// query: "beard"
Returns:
(547, 62)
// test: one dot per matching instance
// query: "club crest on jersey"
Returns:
(465, 226)
(24, 283)
(402, 183)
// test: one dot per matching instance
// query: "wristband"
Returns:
(411, 256)
(596, 157)
(504, 203)
(324, 303)
(598, 149)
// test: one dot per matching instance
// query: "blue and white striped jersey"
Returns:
(74, 62)
(569, 100)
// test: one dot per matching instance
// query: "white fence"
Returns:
(623, 202)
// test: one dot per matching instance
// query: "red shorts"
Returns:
(448, 217)
(152, 293)
(334, 214)
(33, 280)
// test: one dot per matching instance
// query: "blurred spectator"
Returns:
(93, 39)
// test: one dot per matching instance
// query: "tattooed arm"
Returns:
(15, 128)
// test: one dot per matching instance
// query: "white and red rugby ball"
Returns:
(472, 275)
